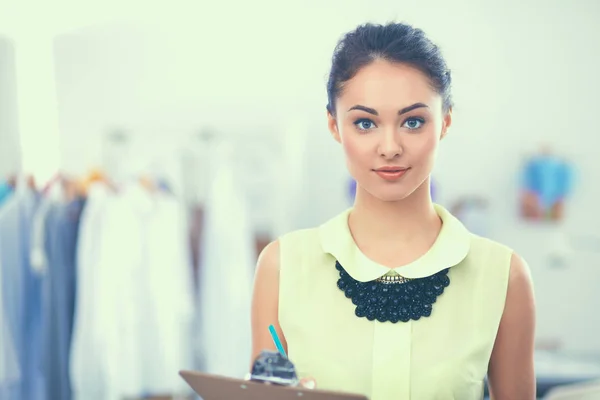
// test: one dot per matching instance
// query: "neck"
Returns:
(404, 221)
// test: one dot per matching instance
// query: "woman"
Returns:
(395, 299)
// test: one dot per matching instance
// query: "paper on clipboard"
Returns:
(213, 387)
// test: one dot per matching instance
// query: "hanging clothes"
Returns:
(87, 363)
(21, 294)
(195, 223)
(9, 367)
(170, 296)
(122, 317)
(134, 302)
(60, 243)
(38, 256)
(5, 191)
(226, 275)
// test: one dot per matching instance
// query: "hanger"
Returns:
(95, 175)
(12, 181)
(23, 183)
(57, 178)
(147, 183)
(31, 182)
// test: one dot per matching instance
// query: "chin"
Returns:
(380, 190)
(393, 195)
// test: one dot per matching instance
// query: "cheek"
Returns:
(427, 148)
(355, 151)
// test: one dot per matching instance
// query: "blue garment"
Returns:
(9, 367)
(5, 192)
(61, 232)
(550, 178)
(22, 296)
(351, 190)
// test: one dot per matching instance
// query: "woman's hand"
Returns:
(308, 383)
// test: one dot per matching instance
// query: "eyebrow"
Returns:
(402, 111)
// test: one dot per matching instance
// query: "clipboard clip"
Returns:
(273, 367)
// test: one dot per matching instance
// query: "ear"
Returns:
(446, 123)
(333, 127)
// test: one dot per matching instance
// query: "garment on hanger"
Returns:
(170, 295)
(226, 275)
(87, 363)
(94, 178)
(51, 195)
(60, 243)
(9, 367)
(5, 191)
(195, 223)
(21, 294)
(134, 297)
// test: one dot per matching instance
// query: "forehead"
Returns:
(383, 85)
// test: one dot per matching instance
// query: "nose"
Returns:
(390, 147)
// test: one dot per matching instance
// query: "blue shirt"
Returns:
(22, 296)
(61, 230)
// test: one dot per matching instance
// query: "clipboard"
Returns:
(213, 387)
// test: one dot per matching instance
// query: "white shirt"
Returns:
(87, 367)
(141, 310)
(226, 275)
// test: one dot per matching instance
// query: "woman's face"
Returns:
(389, 121)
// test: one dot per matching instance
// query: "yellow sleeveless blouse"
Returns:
(444, 356)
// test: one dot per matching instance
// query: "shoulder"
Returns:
(491, 249)
(300, 235)
(268, 259)
(296, 252)
(480, 244)
(489, 255)
(508, 268)
(266, 277)
(295, 241)
(280, 260)
(520, 284)
(520, 298)
(498, 267)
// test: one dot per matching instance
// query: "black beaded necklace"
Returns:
(393, 298)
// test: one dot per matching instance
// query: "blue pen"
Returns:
(277, 341)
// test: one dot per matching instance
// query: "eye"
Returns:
(365, 124)
(414, 123)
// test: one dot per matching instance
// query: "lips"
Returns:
(391, 173)
(391, 169)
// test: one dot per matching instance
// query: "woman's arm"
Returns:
(511, 371)
(265, 301)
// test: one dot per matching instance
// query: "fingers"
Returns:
(308, 383)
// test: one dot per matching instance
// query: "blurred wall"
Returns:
(524, 74)
(10, 152)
